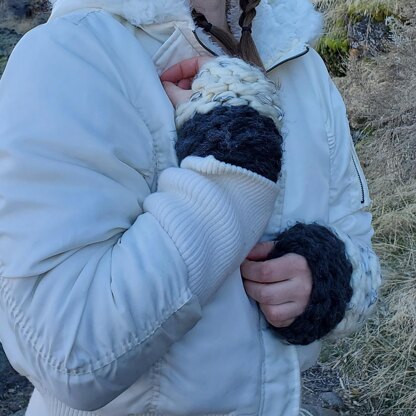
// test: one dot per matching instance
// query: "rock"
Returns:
(368, 37)
(317, 411)
(23, 9)
(331, 400)
(8, 40)
(16, 8)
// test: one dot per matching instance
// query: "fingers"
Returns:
(281, 286)
(281, 315)
(273, 293)
(275, 270)
(185, 84)
(264, 271)
(260, 251)
(176, 94)
(177, 80)
(185, 70)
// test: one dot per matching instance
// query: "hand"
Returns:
(177, 80)
(281, 286)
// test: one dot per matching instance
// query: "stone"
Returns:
(308, 410)
(17, 8)
(368, 37)
(332, 400)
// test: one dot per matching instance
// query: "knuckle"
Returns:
(300, 262)
(303, 263)
(305, 290)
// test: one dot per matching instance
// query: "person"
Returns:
(120, 288)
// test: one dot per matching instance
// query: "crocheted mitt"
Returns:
(233, 115)
(331, 275)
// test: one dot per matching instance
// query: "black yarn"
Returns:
(238, 135)
(331, 274)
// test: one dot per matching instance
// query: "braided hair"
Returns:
(245, 48)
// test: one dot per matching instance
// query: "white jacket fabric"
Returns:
(120, 290)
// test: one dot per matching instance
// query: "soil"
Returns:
(15, 390)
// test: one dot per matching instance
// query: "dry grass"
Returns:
(378, 364)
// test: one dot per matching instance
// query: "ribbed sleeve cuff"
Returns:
(331, 274)
(57, 408)
(215, 213)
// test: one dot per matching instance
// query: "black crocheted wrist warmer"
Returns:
(331, 274)
(238, 135)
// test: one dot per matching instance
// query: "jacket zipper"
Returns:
(289, 59)
(202, 44)
(268, 70)
(359, 178)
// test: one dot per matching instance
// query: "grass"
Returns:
(378, 364)
(335, 45)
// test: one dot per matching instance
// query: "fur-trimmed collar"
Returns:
(281, 29)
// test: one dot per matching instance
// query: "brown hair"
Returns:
(245, 48)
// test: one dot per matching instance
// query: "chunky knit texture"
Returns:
(236, 135)
(231, 82)
(331, 274)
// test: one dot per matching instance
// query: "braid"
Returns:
(226, 39)
(247, 47)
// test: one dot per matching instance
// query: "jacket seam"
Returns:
(154, 397)
(155, 151)
(27, 331)
(263, 363)
(80, 21)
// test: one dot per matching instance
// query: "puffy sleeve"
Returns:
(350, 218)
(98, 275)
(336, 242)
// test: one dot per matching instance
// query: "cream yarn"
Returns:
(233, 82)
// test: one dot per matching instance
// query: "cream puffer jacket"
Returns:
(120, 290)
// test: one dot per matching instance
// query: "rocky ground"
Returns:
(15, 390)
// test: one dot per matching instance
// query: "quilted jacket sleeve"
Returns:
(350, 219)
(99, 276)
(336, 238)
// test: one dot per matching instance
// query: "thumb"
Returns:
(176, 94)
(260, 251)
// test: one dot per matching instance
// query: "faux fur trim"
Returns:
(137, 12)
(281, 29)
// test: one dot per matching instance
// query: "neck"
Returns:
(214, 11)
